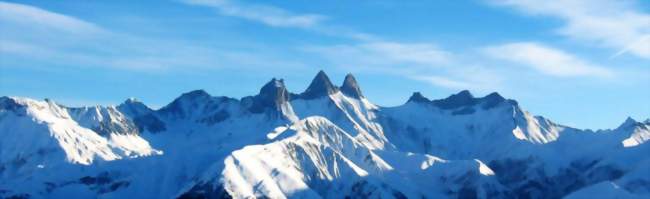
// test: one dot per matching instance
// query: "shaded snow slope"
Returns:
(326, 142)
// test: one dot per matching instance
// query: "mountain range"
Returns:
(326, 142)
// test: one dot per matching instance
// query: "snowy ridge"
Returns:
(38, 134)
(326, 142)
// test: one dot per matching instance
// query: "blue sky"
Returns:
(584, 63)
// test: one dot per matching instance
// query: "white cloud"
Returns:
(268, 15)
(443, 82)
(423, 62)
(28, 15)
(614, 24)
(546, 60)
(33, 36)
(279, 17)
(382, 54)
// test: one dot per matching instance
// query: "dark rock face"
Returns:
(418, 98)
(492, 100)
(217, 117)
(11, 105)
(464, 98)
(109, 120)
(102, 183)
(205, 191)
(133, 108)
(515, 174)
(319, 87)
(177, 107)
(464, 111)
(629, 123)
(271, 97)
(351, 87)
(149, 122)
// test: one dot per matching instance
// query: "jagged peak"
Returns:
(272, 85)
(131, 100)
(463, 98)
(10, 103)
(418, 98)
(319, 87)
(494, 96)
(629, 121)
(273, 99)
(195, 94)
(492, 100)
(350, 87)
(133, 107)
(274, 91)
(179, 104)
(465, 94)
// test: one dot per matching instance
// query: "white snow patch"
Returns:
(484, 169)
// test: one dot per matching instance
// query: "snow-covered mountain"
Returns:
(326, 142)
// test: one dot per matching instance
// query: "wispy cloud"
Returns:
(443, 81)
(31, 34)
(615, 24)
(278, 17)
(419, 61)
(424, 62)
(546, 60)
(381, 54)
(367, 53)
(269, 15)
(33, 16)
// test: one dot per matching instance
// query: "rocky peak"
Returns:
(195, 94)
(351, 87)
(492, 100)
(133, 108)
(417, 97)
(272, 95)
(319, 87)
(629, 122)
(463, 98)
(192, 99)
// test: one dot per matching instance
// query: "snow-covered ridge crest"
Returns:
(326, 142)
(53, 126)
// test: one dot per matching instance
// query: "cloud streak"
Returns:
(546, 60)
(23, 14)
(268, 15)
(379, 54)
(31, 34)
(614, 24)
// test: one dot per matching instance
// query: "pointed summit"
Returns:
(351, 87)
(628, 123)
(319, 87)
(464, 94)
(183, 105)
(492, 100)
(417, 97)
(131, 100)
(133, 108)
(273, 100)
(195, 94)
(272, 95)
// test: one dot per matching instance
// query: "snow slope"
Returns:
(326, 142)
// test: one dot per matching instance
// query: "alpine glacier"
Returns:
(326, 142)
